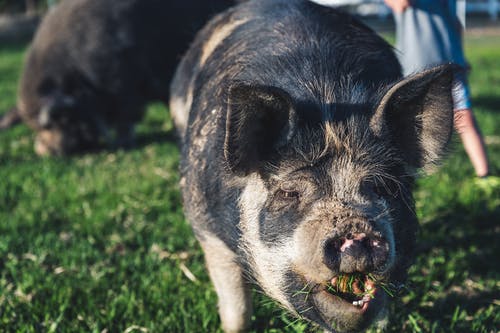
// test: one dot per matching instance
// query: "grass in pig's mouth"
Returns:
(358, 289)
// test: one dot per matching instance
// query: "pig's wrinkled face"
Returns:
(327, 220)
(320, 227)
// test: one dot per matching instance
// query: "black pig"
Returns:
(94, 64)
(301, 141)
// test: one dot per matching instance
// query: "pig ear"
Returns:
(417, 113)
(259, 121)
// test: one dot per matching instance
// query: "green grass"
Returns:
(97, 243)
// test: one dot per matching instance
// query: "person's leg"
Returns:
(472, 140)
(466, 125)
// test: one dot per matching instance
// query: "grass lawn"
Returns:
(98, 243)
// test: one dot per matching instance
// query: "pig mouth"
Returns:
(345, 302)
(355, 298)
(358, 290)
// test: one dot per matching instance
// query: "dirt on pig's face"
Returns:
(328, 225)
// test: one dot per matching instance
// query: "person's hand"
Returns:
(398, 6)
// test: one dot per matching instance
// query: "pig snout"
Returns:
(356, 251)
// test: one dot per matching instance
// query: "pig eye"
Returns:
(379, 191)
(383, 189)
(288, 194)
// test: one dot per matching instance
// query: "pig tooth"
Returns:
(358, 303)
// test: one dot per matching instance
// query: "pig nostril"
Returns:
(331, 252)
(355, 252)
(346, 243)
(335, 244)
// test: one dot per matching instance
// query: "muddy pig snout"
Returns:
(356, 248)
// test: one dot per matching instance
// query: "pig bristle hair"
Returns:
(356, 142)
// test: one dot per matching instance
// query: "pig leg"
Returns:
(235, 302)
(10, 118)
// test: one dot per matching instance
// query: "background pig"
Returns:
(300, 144)
(94, 64)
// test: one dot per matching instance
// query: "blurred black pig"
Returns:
(301, 141)
(94, 64)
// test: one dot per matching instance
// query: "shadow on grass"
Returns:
(470, 301)
(18, 45)
(469, 239)
(142, 140)
(463, 228)
(145, 139)
(491, 103)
